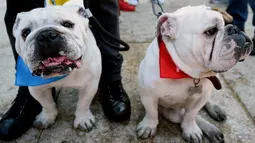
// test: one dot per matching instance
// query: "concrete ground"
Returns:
(138, 29)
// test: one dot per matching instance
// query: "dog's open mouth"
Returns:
(57, 66)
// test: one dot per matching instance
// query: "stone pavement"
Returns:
(138, 29)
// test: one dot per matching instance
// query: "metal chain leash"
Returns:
(156, 2)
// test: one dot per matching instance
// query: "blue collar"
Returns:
(25, 78)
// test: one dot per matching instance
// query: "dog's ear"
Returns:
(81, 11)
(166, 26)
(16, 23)
(15, 30)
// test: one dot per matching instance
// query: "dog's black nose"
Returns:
(48, 43)
(232, 29)
(47, 36)
(244, 44)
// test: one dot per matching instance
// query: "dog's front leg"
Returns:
(147, 127)
(191, 131)
(84, 119)
(49, 111)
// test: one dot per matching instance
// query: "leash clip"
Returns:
(156, 2)
(88, 13)
(196, 81)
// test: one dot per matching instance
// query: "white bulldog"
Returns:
(54, 41)
(199, 46)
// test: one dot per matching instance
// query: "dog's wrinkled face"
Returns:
(201, 41)
(51, 40)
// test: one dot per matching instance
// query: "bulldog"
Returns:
(180, 67)
(56, 41)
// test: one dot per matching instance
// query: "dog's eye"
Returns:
(211, 31)
(67, 24)
(25, 32)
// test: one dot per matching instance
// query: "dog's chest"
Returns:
(175, 93)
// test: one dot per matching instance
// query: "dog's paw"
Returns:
(85, 122)
(214, 134)
(147, 128)
(44, 120)
(192, 133)
(210, 131)
(216, 112)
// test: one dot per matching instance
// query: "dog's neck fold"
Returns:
(192, 72)
(189, 72)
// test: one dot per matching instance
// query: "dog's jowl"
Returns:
(178, 73)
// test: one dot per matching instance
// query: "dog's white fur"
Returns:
(85, 79)
(189, 49)
(168, 96)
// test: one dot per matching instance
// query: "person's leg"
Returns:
(20, 116)
(252, 4)
(239, 10)
(116, 103)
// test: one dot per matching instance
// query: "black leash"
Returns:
(100, 33)
(156, 2)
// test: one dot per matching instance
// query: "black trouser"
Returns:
(106, 12)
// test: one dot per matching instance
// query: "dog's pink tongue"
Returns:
(60, 60)
(78, 63)
(54, 61)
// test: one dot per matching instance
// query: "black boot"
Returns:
(116, 103)
(253, 50)
(19, 118)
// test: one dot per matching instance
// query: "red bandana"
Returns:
(167, 67)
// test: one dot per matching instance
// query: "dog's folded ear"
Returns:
(166, 26)
(77, 3)
(81, 11)
(15, 30)
(17, 22)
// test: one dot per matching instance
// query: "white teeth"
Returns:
(62, 53)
